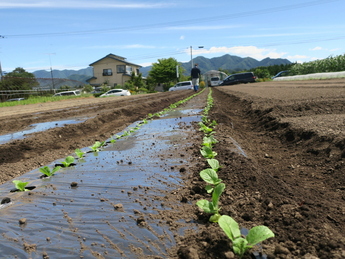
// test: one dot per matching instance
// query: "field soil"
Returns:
(281, 146)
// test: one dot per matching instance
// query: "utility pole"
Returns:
(51, 70)
(1, 74)
(191, 54)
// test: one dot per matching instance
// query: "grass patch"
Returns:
(43, 99)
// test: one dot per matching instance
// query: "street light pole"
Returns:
(191, 54)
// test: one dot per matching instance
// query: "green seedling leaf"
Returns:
(209, 188)
(217, 191)
(206, 206)
(230, 227)
(214, 163)
(46, 170)
(79, 153)
(239, 245)
(68, 161)
(207, 152)
(95, 147)
(20, 185)
(112, 141)
(258, 234)
(210, 176)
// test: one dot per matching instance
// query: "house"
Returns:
(112, 70)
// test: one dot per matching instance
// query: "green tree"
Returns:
(164, 71)
(18, 79)
(262, 73)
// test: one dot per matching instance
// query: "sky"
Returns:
(71, 34)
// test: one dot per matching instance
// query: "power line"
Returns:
(181, 22)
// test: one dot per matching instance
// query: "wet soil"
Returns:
(288, 173)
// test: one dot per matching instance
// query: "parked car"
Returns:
(247, 77)
(116, 92)
(214, 81)
(15, 99)
(185, 85)
(281, 73)
(66, 93)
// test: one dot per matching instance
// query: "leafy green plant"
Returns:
(97, 145)
(207, 152)
(46, 170)
(239, 244)
(209, 141)
(79, 153)
(68, 161)
(204, 128)
(20, 185)
(212, 206)
(214, 164)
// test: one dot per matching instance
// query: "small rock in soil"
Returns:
(5, 200)
(22, 221)
(74, 184)
(118, 207)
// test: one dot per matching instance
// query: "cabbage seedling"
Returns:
(68, 161)
(239, 244)
(79, 153)
(46, 170)
(209, 141)
(20, 185)
(204, 128)
(212, 206)
(95, 147)
(210, 176)
(214, 163)
(207, 152)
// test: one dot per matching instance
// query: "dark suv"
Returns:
(247, 77)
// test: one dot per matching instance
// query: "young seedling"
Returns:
(46, 170)
(68, 161)
(204, 128)
(239, 244)
(112, 140)
(79, 153)
(214, 164)
(212, 206)
(207, 152)
(20, 185)
(210, 176)
(95, 147)
(209, 141)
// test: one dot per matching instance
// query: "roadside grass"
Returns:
(43, 99)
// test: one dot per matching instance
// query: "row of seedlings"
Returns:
(96, 147)
(215, 187)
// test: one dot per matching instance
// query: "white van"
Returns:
(186, 85)
(77, 92)
(215, 81)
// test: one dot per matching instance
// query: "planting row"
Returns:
(95, 148)
(215, 188)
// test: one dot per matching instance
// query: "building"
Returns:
(112, 70)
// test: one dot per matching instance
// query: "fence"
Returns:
(20, 87)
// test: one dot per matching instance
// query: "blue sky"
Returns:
(71, 34)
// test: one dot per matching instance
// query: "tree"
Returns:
(164, 71)
(18, 79)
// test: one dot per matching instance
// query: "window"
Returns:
(121, 69)
(107, 72)
(129, 70)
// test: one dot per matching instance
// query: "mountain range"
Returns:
(226, 62)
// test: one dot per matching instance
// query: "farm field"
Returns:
(281, 146)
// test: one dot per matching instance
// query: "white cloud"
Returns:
(182, 37)
(316, 48)
(77, 4)
(243, 51)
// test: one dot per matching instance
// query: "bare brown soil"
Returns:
(288, 174)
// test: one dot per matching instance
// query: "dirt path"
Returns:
(281, 147)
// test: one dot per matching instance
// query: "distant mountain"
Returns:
(227, 62)
(78, 75)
